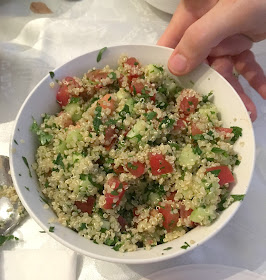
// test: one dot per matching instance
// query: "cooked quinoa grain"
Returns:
(133, 160)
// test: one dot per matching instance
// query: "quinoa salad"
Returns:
(133, 160)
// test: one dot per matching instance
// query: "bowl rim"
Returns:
(155, 259)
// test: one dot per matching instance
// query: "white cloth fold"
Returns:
(40, 264)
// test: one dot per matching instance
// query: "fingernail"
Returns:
(177, 64)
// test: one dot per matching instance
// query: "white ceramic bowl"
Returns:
(43, 100)
(168, 6)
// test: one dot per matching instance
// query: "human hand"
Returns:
(222, 31)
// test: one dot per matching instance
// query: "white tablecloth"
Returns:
(32, 45)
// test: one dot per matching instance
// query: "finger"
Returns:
(187, 12)
(180, 21)
(232, 46)
(199, 39)
(224, 66)
(246, 65)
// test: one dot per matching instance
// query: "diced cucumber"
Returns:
(153, 72)
(74, 110)
(172, 87)
(122, 94)
(106, 224)
(61, 147)
(87, 187)
(187, 157)
(130, 103)
(154, 199)
(76, 157)
(137, 129)
(73, 136)
(210, 111)
(200, 214)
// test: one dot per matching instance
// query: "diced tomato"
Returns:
(114, 197)
(136, 168)
(153, 98)
(184, 214)
(122, 222)
(86, 207)
(97, 75)
(136, 87)
(63, 94)
(159, 165)
(224, 131)
(171, 196)
(107, 102)
(66, 119)
(195, 130)
(188, 105)
(120, 169)
(132, 61)
(110, 138)
(170, 218)
(225, 174)
(181, 124)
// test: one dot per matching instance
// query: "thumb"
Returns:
(199, 39)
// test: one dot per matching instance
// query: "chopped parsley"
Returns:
(197, 150)
(124, 112)
(44, 200)
(149, 116)
(99, 56)
(83, 226)
(97, 118)
(174, 145)
(27, 188)
(198, 137)
(15, 141)
(132, 166)
(115, 191)
(216, 172)
(4, 238)
(51, 74)
(74, 100)
(168, 248)
(185, 246)
(168, 123)
(44, 137)
(112, 75)
(205, 98)
(238, 197)
(27, 164)
(117, 247)
(59, 161)
(237, 131)
(51, 229)
(217, 150)
(158, 67)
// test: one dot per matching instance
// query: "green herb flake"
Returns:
(4, 238)
(99, 56)
(15, 142)
(158, 67)
(124, 112)
(132, 166)
(115, 191)
(27, 164)
(74, 100)
(205, 98)
(168, 248)
(103, 230)
(51, 74)
(197, 150)
(216, 172)
(237, 131)
(42, 231)
(44, 200)
(185, 246)
(44, 137)
(136, 63)
(27, 188)
(168, 123)
(51, 229)
(174, 145)
(238, 197)
(83, 226)
(198, 137)
(112, 75)
(149, 116)
(59, 161)
(117, 247)
(97, 118)
(217, 150)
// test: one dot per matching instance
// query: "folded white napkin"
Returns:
(38, 264)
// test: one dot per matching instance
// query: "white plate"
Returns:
(203, 272)
(167, 6)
